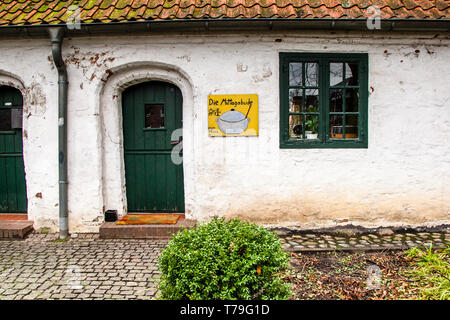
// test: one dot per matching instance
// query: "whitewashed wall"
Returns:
(403, 178)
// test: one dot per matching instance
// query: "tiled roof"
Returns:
(35, 12)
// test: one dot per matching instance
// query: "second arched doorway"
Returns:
(13, 193)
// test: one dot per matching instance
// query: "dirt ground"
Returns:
(351, 276)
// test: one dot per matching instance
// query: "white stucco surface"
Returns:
(402, 178)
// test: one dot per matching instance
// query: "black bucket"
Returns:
(111, 215)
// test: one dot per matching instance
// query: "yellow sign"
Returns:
(233, 115)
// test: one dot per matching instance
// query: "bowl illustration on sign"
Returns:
(233, 122)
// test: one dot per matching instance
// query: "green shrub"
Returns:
(224, 260)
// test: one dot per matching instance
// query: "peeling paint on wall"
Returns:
(91, 63)
(37, 98)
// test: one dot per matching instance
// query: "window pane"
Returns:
(5, 119)
(16, 117)
(351, 74)
(336, 126)
(312, 100)
(295, 74)
(312, 126)
(154, 116)
(351, 126)
(311, 74)
(295, 127)
(336, 102)
(336, 74)
(295, 100)
(351, 100)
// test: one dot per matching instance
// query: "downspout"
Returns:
(56, 36)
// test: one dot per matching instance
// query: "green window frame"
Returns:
(317, 110)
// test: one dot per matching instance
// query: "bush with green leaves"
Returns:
(224, 260)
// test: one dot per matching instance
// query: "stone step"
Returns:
(15, 229)
(111, 230)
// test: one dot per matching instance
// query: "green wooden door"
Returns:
(13, 195)
(152, 122)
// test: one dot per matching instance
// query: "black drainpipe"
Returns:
(56, 36)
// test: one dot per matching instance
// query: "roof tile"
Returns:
(53, 12)
(442, 5)
(434, 13)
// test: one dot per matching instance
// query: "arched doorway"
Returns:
(13, 195)
(152, 122)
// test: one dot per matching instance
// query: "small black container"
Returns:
(111, 215)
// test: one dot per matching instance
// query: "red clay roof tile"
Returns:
(53, 12)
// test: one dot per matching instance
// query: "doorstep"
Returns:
(15, 229)
(111, 230)
(13, 216)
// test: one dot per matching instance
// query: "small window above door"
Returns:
(154, 116)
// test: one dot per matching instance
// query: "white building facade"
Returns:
(400, 178)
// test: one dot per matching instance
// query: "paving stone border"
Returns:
(389, 241)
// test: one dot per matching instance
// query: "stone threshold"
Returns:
(15, 229)
(110, 230)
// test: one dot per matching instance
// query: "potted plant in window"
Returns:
(311, 128)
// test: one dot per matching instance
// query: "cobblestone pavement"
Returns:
(86, 267)
(42, 267)
(373, 241)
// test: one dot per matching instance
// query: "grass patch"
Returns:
(431, 272)
(44, 230)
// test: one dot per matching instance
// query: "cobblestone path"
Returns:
(82, 268)
(85, 267)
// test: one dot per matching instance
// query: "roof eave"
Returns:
(202, 25)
